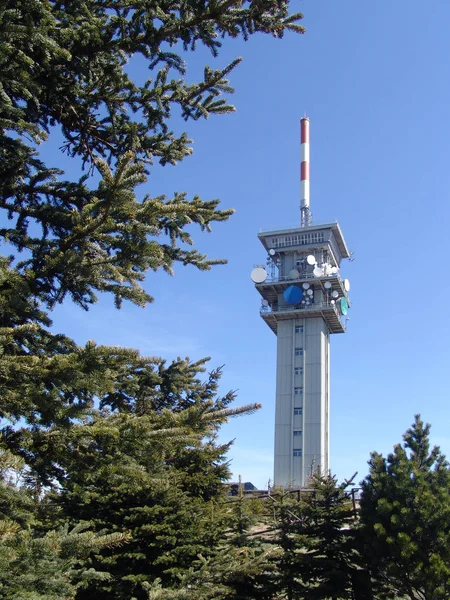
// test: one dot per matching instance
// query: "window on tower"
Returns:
(297, 452)
(298, 391)
(298, 410)
(299, 352)
(298, 329)
(298, 370)
(297, 433)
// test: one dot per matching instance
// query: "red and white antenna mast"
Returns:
(306, 218)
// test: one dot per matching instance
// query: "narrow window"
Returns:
(298, 410)
(297, 433)
(298, 370)
(298, 391)
(299, 352)
(298, 329)
(297, 452)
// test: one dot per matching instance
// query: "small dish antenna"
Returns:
(258, 275)
(310, 292)
(305, 286)
(333, 302)
(327, 285)
(272, 252)
(294, 274)
(265, 302)
(317, 272)
(343, 305)
(335, 294)
(311, 259)
(346, 285)
(334, 270)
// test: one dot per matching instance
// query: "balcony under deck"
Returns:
(328, 312)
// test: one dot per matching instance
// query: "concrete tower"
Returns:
(304, 299)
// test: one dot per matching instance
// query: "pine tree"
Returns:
(63, 67)
(48, 567)
(150, 447)
(330, 563)
(156, 476)
(405, 513)
(317, 553)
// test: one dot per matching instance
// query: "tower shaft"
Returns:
(302, 400)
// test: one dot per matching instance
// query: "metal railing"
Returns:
(302, 277)
(301, 307)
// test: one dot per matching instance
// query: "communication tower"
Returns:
(304, 300)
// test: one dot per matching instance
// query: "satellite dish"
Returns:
(265, 302)
(310, 292)
(311, 259)
(293, 294)
(334, 270)
(258, 275)
(343, 305)
(294, 274)
(333, 302)
(335, 294)
(308, 302)
(317, 272)
(346, 285)
(305, 286)
(327, 285)
(272, 252)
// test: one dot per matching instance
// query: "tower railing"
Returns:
(302, 277)
(301, 307)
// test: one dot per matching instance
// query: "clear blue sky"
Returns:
(374, 78)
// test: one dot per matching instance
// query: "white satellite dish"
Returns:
(303, 302)
(334, 270)
(305, 286)
(265, 302)
(317, 272)
(310, 292)
(294, 274)
(272, 252)
(258, 275)
(307, 302)
(335, 294)
(311, 259)
(327, 285)
(332, 302)
(346, 285)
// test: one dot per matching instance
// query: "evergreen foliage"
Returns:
(142, 466)
(329, 562)
(50, 567)
(405, 512)
(156, 475)
(63, 67)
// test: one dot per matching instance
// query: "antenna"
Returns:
(305, 213)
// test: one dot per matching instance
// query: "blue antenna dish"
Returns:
(293, 294)
(343, 305)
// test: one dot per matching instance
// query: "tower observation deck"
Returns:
(304, 300)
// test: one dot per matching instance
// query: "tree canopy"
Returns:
(405, 512)
(64, 68)
(112, 476)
